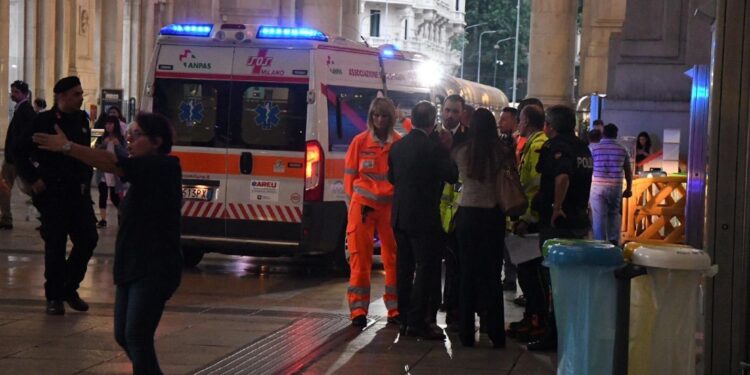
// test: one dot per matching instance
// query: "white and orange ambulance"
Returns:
(264, 116)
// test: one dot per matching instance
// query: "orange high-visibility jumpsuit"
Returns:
(370, 195)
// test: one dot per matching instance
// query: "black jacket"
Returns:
(55, 169)
(19, 127)
(417, 168)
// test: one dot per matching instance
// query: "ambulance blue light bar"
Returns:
(388, 53)
(187, 29)
(299, 33)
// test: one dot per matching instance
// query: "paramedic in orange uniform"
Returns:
(369, 196)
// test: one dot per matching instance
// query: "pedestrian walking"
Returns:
(40, 105)
(109, 184)
(61, 188)
(369, 197)
(148, 262)
(611, 166)
(19, 127)
(418, 166)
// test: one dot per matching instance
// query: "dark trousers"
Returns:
(105, 190)
(138, 309)
(452, 279)
(481, 232)
(533, 286)
(510, 270)
(66, 213)
(418, 274)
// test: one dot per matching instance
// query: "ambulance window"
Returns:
(347, 114)
(197, 110)
(404, 102)
(272, 117)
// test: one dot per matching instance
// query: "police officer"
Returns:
(566, 167)
(62, 194)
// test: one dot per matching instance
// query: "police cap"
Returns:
(66, 84)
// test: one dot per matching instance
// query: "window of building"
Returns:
(375, 22)
(406, 29)
(458, 5)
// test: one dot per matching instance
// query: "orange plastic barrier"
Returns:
(656, 211)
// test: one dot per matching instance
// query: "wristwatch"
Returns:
(67, 147)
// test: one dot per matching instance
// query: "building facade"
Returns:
(429, 27)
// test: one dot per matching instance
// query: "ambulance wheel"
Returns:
(191, 256)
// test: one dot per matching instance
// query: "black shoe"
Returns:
(394, 320)
(520, 301)
(548, 342)
(467, 340)
(6, 226)
(426, 333)
(101, 224)
(76, 303)
(359, 321)
(55, 307)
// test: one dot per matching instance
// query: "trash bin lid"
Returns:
(671, 257)
(629, 249)
(593, 254)
(569, 241)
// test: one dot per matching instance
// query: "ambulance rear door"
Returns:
(266, 151)
(192, 86)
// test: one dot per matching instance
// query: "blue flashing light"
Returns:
(187, 29)
(388, 53)
(299, 33)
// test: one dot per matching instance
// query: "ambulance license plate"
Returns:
(197, 193)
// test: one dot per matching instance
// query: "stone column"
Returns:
(45, 58)
(287, 11)
(29, 44)
(601, 18)
(325, 15)
(4, 62)
(552, 51)
(350, 18)
(110, 40)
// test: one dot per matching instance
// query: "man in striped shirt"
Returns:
(611, 166)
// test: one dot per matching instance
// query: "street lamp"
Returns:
(498, 62)
(464, 45)
(515, 54)
(479, 57)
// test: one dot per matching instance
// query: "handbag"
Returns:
(509, 192)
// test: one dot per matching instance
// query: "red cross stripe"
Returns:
(240, 211)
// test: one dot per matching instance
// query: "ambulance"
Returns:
(263, 118)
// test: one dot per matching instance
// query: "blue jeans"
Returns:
(605, 201)
(138, 309)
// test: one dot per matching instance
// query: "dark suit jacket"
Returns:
(417, 167)
(19, 126)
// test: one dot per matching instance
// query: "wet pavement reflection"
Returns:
(223, 305)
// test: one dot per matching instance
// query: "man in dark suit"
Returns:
(23, 115)
(417, 167)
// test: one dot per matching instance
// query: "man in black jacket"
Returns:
(417, 167)
(23, 115)
(62, 194)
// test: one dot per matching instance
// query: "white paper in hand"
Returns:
(523, 249)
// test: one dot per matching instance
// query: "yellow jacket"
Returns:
(530, 178)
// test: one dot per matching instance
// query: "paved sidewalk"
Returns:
(228, 312)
